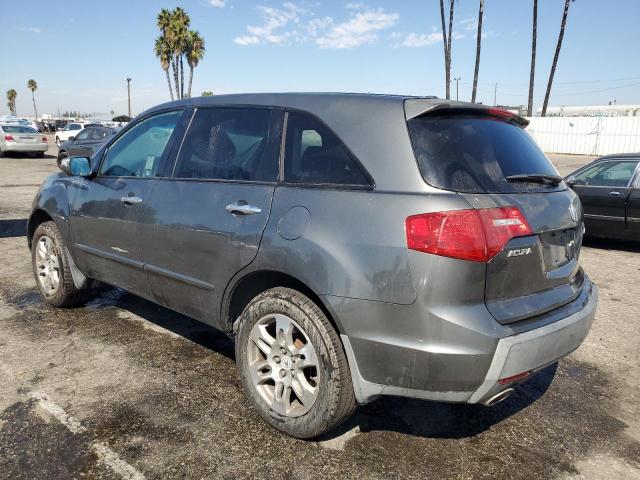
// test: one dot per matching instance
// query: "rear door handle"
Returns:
(615, 194)
(130, 200)
(242, 208)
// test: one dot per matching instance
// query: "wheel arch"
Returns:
(37, 218)
(248, 286)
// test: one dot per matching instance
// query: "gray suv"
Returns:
(353, 246)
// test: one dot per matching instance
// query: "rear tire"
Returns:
(52, 270)
(292, 364)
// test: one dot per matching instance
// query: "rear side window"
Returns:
(315, 155)
(475, 154)
(230, 144)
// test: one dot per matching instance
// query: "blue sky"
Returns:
(80, 53)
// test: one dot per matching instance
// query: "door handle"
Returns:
(614, 193)
(242, 208)
(130, 200)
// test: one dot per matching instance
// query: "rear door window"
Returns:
(315, 155)
(230, 144)
(474, 154)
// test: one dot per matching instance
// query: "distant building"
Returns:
(593, 111)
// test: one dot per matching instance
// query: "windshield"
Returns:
(475, 154)
(18, 129)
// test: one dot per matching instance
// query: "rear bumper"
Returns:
(453, 371)
(531, 351)
(25, 147)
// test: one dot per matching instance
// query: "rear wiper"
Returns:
(535, 178)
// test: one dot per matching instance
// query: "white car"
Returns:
(71, 130)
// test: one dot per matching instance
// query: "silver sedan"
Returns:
(21, 138)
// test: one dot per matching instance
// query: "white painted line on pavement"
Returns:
(105, 455)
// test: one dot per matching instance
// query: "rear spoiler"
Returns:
(414, 108)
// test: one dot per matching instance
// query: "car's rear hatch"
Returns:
(485, 156)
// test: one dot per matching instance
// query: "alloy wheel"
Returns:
(283, 365)
(47, 265)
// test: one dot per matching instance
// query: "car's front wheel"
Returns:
(61, 156)
(58, 142)
(292, 364)
(52, 268)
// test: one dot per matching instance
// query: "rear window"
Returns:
(18, 129)
(474, 154)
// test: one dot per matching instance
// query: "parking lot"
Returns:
(122, 388)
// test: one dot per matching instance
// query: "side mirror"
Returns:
(76, 166)
(570, 181)
(71, 139)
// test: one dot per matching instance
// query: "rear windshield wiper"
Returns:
(535, 178)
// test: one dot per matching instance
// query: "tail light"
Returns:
(8, 138)
(476, 235)
(44, 139)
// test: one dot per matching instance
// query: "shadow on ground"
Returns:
(16, 227)
(612, 244)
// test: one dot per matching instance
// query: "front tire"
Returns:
(292, 364)
(58, 142)
(52, 269)
(61, 156)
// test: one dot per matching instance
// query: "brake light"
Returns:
(498, 112)
(8, 138)
(475, 235)
(44, 139)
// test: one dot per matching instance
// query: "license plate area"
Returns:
(559, 247)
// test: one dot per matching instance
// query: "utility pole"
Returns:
(457, 90)
(129, 94)
(495, 95)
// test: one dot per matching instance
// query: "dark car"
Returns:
(86, 142)
(609, 189)
(352, 246)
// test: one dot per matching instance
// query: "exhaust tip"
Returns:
(498, 397)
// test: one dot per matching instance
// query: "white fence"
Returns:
(586, 135)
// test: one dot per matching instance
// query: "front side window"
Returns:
(315, 155)
(84, 134)
(230, 144)
(607, 174)
(138, 152)
(75, 126)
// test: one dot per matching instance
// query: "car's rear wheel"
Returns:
(292, 364)
(52, 268)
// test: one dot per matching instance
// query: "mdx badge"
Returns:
(519, 252)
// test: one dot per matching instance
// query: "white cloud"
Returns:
(355, 6)
(360, 29)
(468, 24)
(217, 3)
(271, 30)
(420, 40)
(30, 30)
(292, 23)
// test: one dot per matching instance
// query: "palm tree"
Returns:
(11, 103)
(33, 86)
(179, 32)
(446, 38)
(534, 35)
(194, 53)
(163, 52)
(478, 42)
(555, 57)
(447, 72)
